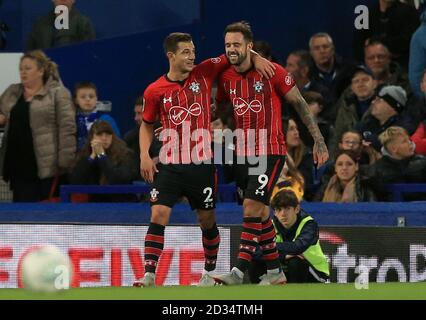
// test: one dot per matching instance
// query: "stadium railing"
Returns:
(398, 189)
(226, 192)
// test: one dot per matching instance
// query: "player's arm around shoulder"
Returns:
(265, 67)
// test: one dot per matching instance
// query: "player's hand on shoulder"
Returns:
(265, 67)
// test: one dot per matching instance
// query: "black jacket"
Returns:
(341, 81)
(88, 172)
(388, 170)
(370, 128)
(44, 35)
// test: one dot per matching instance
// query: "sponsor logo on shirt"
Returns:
(179, 114)
(241, 106)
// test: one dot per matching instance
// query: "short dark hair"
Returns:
(355, 156)
(263, 48)
(285, 198)
(353, 131)
(305, 58)
(312, 97)
(139, 101)
(241, 27)
(85, 85)
(376, 40)
(172, 40)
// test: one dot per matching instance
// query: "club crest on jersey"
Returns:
(258, 86)
(195, 87)
(288, 80)
(154, 195)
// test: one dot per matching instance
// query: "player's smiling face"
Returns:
(236, 48)
(184, 57)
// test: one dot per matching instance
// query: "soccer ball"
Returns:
(46, 269)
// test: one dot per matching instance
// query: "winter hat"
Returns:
(395, 96)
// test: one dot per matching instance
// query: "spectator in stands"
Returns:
(315, 102)
(392, 21)
(385, 71)
(302, 156)
(399, 163)
(350, 140)
(419, 137)
(104, 160)
(355, 101)
(39, 142)
(86, 98)
(45, 35)
(132, 137)
(386, 111)
(297, 238)
(299, 64)
(264, 49)
(417, 62)
(346, 185)
(329, 69)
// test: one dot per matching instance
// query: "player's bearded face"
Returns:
(237, 57)
(236, 48)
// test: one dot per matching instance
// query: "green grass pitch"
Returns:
(385, 291)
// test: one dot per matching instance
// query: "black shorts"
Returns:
(258, 185)
(198, 183)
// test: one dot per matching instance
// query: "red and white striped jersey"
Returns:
(184, 109)
(257, 104)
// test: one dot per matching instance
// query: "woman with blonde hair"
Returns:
(290, 178)
(346, 185)
(39, 142)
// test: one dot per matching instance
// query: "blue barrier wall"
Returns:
(367, 214)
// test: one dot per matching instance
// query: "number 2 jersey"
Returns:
(257, 106)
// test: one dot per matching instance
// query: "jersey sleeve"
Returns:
(283, 81)
(213, 67)
(151, 104)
